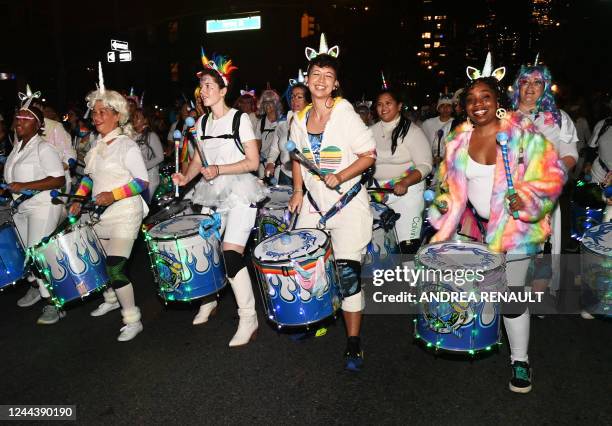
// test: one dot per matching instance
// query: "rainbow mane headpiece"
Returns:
(27, 97)
(487, 70)
(546, 102)
(333, 52)
(221, 64)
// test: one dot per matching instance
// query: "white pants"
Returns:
(35, 223)
(410, 206)
(517, 328)
(237, 224)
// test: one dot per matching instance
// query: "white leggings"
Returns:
(517, 327)
(35, 224)
(410, 206)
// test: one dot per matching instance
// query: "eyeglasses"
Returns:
(535, 83)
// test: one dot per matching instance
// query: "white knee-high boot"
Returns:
(129, 312)
(243, 291)
(518, 336)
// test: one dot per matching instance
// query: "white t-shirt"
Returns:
(564, 137)
(412, 151)
(480, 178)
(55, 134)
(266, 136)
(604, 144)
(279, 146)
(36, 161)
(430, 128)
(151, 149)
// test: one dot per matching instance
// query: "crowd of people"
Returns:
(113, 151)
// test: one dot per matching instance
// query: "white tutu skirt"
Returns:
(229, 191)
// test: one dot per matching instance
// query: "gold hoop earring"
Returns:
(500, 113)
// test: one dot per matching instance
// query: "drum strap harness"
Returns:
(342, 202)
(235, 135)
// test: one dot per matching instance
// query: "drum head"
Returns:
(290, 245)
(168, 212)
(279, 197)
(459, 255)
(598, 239)
(177, 227)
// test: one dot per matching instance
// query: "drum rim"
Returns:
(605, 256)
(173, 237)
(325, 243)
(418, 261)
(69, 229)
(147, 222)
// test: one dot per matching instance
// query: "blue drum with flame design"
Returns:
(186, 266)
(596, 263)
(452, 314)
(73, 263)
(382, 252)
(12, 256)
(298, 277)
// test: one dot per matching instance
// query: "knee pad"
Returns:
(410, 247)
(116, 267)
(350, 277)
(234, 262)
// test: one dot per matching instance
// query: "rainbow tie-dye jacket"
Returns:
(537, 179)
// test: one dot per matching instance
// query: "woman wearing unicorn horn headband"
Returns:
(512, 188)
(298, 97)
(116, 177)
(330, 134)
(227, 154)
(532, 97)
(34, 165)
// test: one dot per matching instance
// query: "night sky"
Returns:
(54, 45)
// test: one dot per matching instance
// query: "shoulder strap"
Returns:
(236, 131)
(604, 128)
(262, 124)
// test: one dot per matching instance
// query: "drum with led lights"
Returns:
(186, 260)
(72, 263)
(596, 264)
(453, 277)
(297, 276)
(12, 255)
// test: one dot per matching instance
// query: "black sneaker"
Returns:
(521, 377)
(353, 355)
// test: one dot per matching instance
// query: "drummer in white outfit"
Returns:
(116, 177)
(34, 165)
(151, 149)
(403, 160)
(270, 109)
(229, 187)
(332, 135)
(533, 97)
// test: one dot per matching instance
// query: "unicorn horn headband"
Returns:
(300, 78)
(474, 74)
(27, 97)
(101, 87)
(535, 62)
(323, 50)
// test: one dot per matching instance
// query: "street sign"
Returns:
(125, 56)
(234, 24)
(110, 56)
(119, 45)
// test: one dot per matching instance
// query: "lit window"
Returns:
(438, 26)
(427, 45)
(426, 35)
(436, 44)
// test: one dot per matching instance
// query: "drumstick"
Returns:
(26, 192)
(502, 139)
(375, 189)
(430, 196)
(310, 166)
(56, 194)
(191, 135)
(177, 140)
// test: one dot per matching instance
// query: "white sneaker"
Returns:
(128, 332)
(206, 310)
(104, 309)
(585, 315)
(50, 315)
(30, 298)
(247, 331)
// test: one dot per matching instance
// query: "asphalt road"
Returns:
(174, 372)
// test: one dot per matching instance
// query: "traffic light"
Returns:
(307, 27)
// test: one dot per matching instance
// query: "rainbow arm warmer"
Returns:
(134, 187)
(85, 186)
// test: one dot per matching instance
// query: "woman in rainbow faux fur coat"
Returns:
(473, 170)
